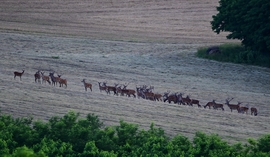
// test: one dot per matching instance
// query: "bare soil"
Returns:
(136, 42)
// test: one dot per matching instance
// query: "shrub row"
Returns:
(80, 137)
(236, 53)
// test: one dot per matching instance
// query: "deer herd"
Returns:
(143, 92)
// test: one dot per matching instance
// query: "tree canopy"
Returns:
(72, 136)
(248, 21)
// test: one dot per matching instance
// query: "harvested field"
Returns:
(140, 42)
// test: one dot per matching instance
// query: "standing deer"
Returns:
(37, 76)
(111, 88)
(126, 91)
(139, 92)
(232, 106)
(45, 78)
(52, 78)
(209, 104)
(184, 101)
(217, 106)
(243, 109)
(58, 79)
(172, 97)
(16, 73)
(87, 85)
(158, 97)
(194, 101)
(63, 82)
(101, 87)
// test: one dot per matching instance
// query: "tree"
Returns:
(248, 21)
(211, 146)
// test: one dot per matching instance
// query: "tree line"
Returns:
(247, 21)
(72, 135)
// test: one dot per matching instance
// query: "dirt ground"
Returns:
(136, 42)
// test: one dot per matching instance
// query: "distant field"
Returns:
(135, 42)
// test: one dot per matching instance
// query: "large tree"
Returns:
(247, 20)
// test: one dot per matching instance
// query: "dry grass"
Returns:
(167, 34)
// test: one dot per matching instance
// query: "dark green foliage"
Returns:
(264, 144)
(237, 54)
(211, 146)
(247, 21)
(70, 136)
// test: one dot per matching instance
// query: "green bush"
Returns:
(73, 137)
(236, 53)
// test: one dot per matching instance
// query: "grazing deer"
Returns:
(217, 106)
(87, 85)
(16, 73)
(254, 111)
(37, 76)
(232, 106)
(101, 87)
(45, 78)
(209, 104)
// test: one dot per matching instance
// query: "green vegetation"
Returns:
(247, 21)
(71, 136)
(55, 57)
(235, 53)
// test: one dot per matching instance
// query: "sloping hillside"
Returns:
(136, 42)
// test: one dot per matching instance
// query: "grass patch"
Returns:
(55, 57)
(236, 53)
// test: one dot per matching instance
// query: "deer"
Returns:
(209, 104)
(111, 88)
(101, 87)
(58, 79)
(194, 101)
(148, 96)
(232, 106)
(16, 73)
(37, 76)
(184, 101)
(139, 92)
(243, 109)
(146, 93)
(171, 97)
(55, 79)
(62, 82)
(158, 97)
(254, 111)
(217, 106)
(45, 78)
(126, 91)
(87, 85)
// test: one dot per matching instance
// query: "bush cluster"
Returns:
(236, 53)
(71, 136)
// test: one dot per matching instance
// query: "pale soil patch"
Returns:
(161, 58)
